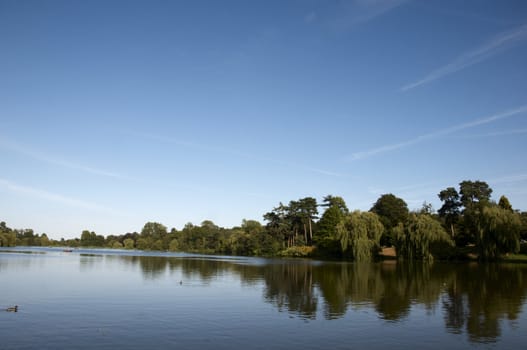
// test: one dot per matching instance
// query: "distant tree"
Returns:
(360, 232)
(307, 212)
(8, 239)
(325, 237)
(279, 224)
(505, 204)
(91, 239)
(498, 232)
(414, 239)
(427, 208)
(7, 236)
(173, 246)
(474, 194)
(392, 211)
(335, 201)
(154, 230)
(450, 211)
(144, 243)
(523, 230)
(128, 243)
(44, 240)
(155, 236)
(25, 237)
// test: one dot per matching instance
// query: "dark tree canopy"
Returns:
(335, 201)
(360, 233)
(414, 239)
(474, 194)
(499, 232)
(392, 210)
(326, 234)
(504, 203)
(450, 211)
(451, 203)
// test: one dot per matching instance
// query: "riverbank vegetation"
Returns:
(468, 224)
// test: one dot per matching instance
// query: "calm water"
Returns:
(112, 300)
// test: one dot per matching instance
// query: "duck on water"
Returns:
(12, 309)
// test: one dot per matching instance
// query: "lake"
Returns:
(108, 299)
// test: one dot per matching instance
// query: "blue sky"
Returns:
(115, 113)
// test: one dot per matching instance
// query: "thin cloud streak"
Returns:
(51, 160)
(498, 43)
(350, 14)
(49, 196)
(370, 9)
(228, 151)
(509, 179)
(497, 134)
(362, 11)
(436, 134)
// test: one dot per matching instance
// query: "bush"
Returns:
(298, 252)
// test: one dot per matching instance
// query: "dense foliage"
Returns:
(415, 238)
(468, 218)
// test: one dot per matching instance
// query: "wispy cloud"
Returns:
(496, 44)
(366, 10)
(497, 134)
(49, 196)
(508, 179)
(15, 147)
(437, 134)
(348, 14)
(229, 151)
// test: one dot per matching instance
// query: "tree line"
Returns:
(469, 221)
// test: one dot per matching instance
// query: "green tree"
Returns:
(475, 195)
(7, 236)
(174, 245)
(90, 239)
(144, 243)
(326, 234)
(335, 201)
(505, 204)
(413, 240)
(155, 235)
(523, 219)
(44, 240)
(279, 226)
(360, 232)
(392, 211)
(450, 211)
(25, 237)
(154, 230)
(498, 232)
(128, 243)
(307, 212)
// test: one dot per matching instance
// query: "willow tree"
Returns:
(360, 233)
(414, 238)
(498, 232)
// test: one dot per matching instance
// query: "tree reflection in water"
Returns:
(480, 296)
(474, 298)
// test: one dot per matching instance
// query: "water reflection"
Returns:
(291, 287)
(471, 299)
(480, 296)
(474, 298)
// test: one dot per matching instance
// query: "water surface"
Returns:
(133, 300)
